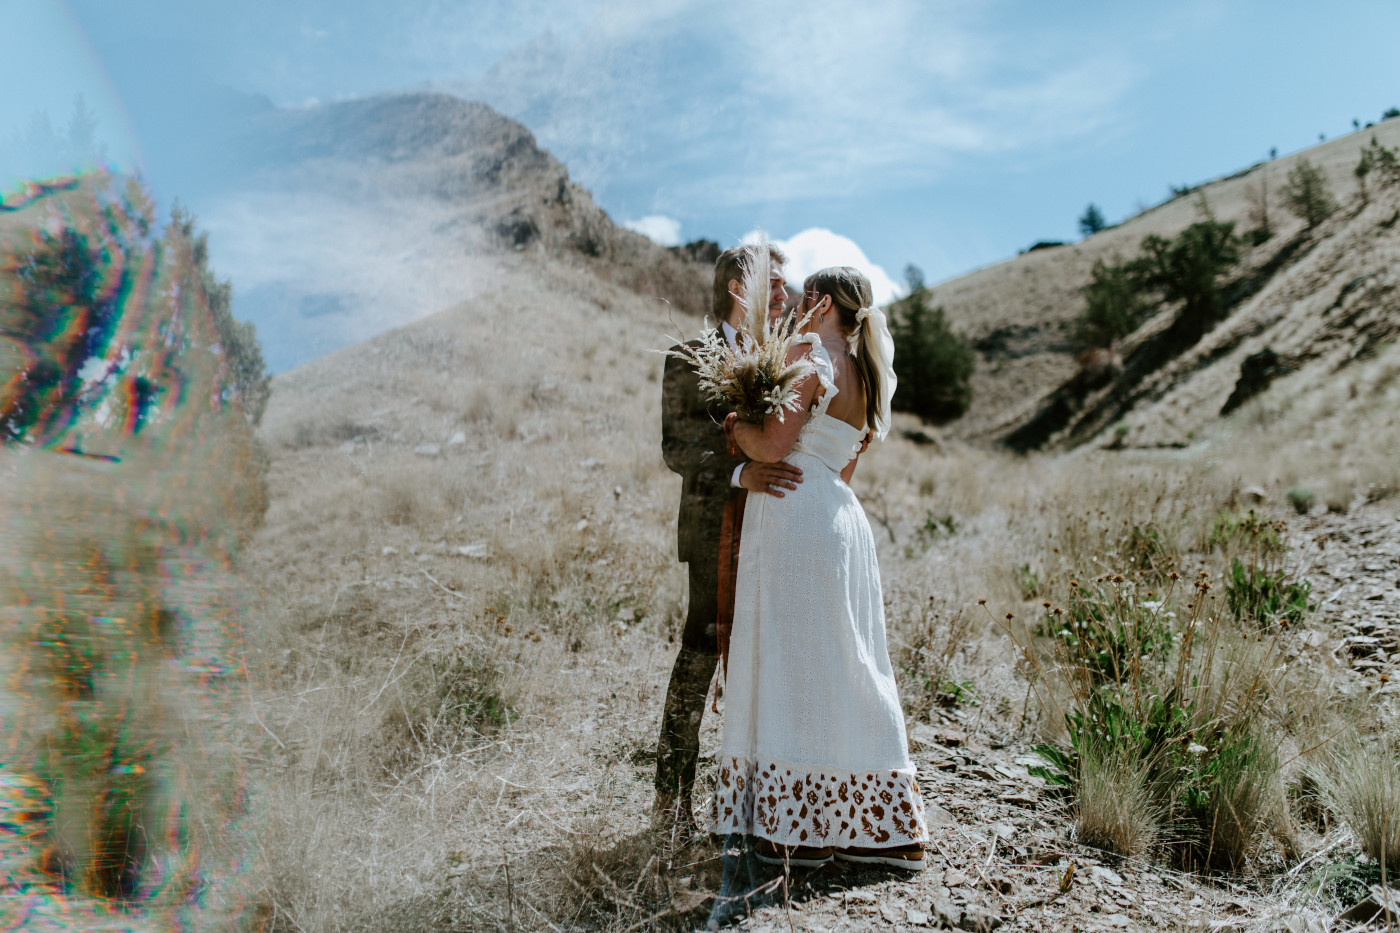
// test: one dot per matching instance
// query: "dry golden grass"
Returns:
(465, 640)
(1114, 808)
(1360, 783)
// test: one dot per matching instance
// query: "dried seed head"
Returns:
(1010, 616)
(1046, 604)
(981, 602)
(1117, 578)
(1074, 583)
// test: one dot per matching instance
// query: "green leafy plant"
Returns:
(1027, 581)
(1163, 716)
(469, 692)
(1266, 597)
(933, 528)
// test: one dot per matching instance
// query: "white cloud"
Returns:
(658, 228)
(909, 93)
(817, 248)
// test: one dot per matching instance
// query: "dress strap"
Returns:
(825, 372)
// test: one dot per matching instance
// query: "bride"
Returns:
(814, 760)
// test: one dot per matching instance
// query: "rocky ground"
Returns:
(1001, 856)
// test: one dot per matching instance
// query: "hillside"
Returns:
(467, 600)
(364, 215)
(1020, 312)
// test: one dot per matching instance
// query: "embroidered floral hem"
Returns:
(792, 804)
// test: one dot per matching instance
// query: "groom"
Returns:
(693, 445)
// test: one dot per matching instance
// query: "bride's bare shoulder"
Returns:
(798, 350)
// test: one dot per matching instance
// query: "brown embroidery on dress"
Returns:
(791, 806)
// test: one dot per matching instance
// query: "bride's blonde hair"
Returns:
(850, 291)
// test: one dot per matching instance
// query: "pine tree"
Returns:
(1308, 195)
(933, 362)
(1092, 220)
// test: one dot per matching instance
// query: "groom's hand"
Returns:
(771, 478)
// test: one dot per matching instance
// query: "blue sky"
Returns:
(946, 134)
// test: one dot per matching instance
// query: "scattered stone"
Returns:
(953, 738)
(944, 913)
(592, 463)
(1021, 799)
(1107, 875)
(347, 448)
(916, 917)
(1313, 638)
(934, 815)
(582, 524)
(457, 440)
(428, 450)
(953, 878)
(1254, 495)
(389, 550)
(478, 551)
(979, 920)
(922, 736)
(1380, 903)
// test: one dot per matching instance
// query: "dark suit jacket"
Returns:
(692, 443)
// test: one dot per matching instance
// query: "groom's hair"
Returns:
(732, 264)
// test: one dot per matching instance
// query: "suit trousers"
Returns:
(679, 746)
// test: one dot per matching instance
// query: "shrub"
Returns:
(1188, 269)
(1307, 194)
(248, 377)
(1147, 549)
(1092, 221)
(1163, 713)
(1391, 113)
(1301, 499)
(1362, 169)
(1114, 808)
(935, 364)
(1114, 306)
(1384, 163)
(1361, 784)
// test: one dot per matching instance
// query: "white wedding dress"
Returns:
(814, 750)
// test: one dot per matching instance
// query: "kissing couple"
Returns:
(814, 762)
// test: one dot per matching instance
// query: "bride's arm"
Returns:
(773, 440)
(849, 469)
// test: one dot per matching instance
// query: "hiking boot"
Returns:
(909, 857)
(771, 853)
